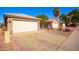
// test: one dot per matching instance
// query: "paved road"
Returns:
(44, 40)
(72, 43)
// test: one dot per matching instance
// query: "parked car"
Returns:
(73, 25)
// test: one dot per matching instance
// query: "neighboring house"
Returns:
(56, 23)
(16, 23)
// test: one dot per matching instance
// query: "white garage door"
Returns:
(24, 26)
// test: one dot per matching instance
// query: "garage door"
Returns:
(24, 26)
(55, 25)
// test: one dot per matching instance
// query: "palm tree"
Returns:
(56, 12)
(44, 19)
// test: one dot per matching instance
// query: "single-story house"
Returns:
(16, 23)
(56, 23)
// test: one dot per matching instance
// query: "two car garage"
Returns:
(16, 23)
(24, 26)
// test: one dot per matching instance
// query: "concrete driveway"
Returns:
(43, 40)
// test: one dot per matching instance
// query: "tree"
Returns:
(1, 25)
(65, 18)
(73, 12)
(56, 12)
(44, 19)
(71, 17)
(74, 16)
(62, 16)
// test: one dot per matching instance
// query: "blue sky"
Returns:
(34, 11)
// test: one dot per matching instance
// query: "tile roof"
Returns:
(54, 20)
(20, 16)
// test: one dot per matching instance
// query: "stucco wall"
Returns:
(64, 25)
(9, 24)
(55, 25)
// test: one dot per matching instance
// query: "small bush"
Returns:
(49, 28)
(67, 30)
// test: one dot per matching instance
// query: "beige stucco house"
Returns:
(56, 23)
(16, 23)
